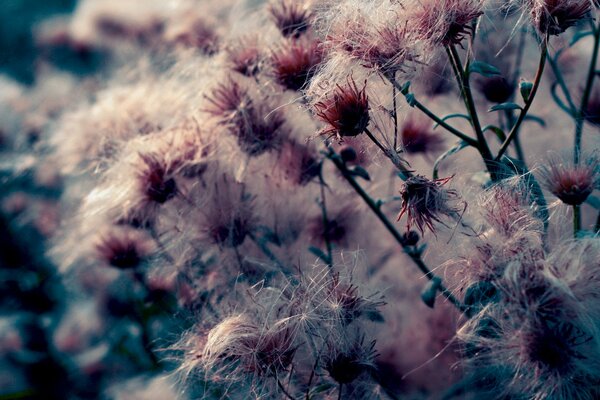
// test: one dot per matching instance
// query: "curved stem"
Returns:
(415, 103)
(536, 84)
(389, 154)
(580, 118)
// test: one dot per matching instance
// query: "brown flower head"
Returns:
(425, 201)
(260, 128)
(155, 180)
(346, 365)
(571, 183)
(227, 100)
(299, 162)
(417, 136)
(553, 17)
(124, 248)
(294, 62)
(244, 56)
(346, 111)
(292, 17)
(446, 22)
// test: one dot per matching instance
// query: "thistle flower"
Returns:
(445, 22)
(425, 201)
(155, 180)
(227, 100)
(298, 162)
(124, 248)
(345, 365)
(244, 56)
(346, 111)
(295, 62)
(237, 342)
(189, 30)
(417, 136)
(341, 224)
(554, 17)
(571, 183)
(292, 17)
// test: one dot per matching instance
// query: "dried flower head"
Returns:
(124, 248)
(294, 62)
(292, 17)
(572, 183)
(445, 22)
(237, 342)
(553, 17)
(345, 365)
(244, 56)
(260, 128)
(227, 100)
(418, 137)
(425, 201)
(298, 162)
(155, 179)
(192, 31)
(346, 112)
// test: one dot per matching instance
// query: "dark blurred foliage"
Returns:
(17, 49)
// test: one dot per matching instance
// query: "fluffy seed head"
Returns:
(417, 136)
(346, 365)
(426, 201)
(554, 17)
(292, 17)
(571, 183)
(294, 62)
(123, 248)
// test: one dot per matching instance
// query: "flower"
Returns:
(244, 56)
(553, 17)
(345, 365)
(425, 201)
(417, 136)
(571, 183)
(294, 62)
(123, 247)
(292, 17)
(445, 22)
(346, 112)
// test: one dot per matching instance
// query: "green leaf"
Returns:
(499, 132)
(322, 388)
(593, 201)
(525, 88)
(374, 316)
(531, 117)
(411, 100)
(505, 106)
(454, 149)
(430, 290)
(450, 116)
(360, 171)
(485, 69)
(405, 88)
(319, 253)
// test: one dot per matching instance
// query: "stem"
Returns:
(389, 154)
(395, 115)
(415, 103)
(563, 85)
(340, 391)
(576, 220)
(415, 257)
(470, 103)
(580, 118)
(536, 84)
(285, 392)
(597, 227)
(267, 252)
(329, 260)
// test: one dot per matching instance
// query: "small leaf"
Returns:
(360, 171)
(499, 132)
(530, 117)
(455, 149)
(430, 290)
(405, 88)
(411, 100)
(374, 316)
(485, 69)
(319, 253)
(447, 117)
(525, 88)
(322, 388)
(505, 106)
